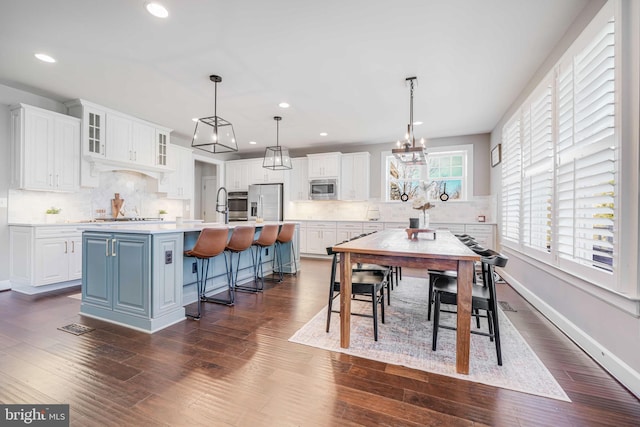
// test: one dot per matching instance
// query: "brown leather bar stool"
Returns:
(241, 240)
(211, 243)
(268, 236)
(285, 236)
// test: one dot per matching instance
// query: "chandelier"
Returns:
(406, 151)
(214, 134)
(276, 157)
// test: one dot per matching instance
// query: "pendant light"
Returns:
(276, 157)
(407, 152)
(214, 134)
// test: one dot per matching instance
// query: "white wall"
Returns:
(603, 323)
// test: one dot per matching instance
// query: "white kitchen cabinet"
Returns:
(325, 165)
(348, 230)
(94, 126)
(454, 228)
(483, 233)
(299, 179)
(46, 149)
(260, 175)
(354, 176)
(372, 226)
(179, 184)
(161, 147)
(237, 175)
(303, 237)
(320, 235)
(44, 255)
(112, 140)
(130, 141)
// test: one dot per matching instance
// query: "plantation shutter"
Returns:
(587, 162)
(537, 162)
(511, 180)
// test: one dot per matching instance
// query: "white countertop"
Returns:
(97, 223)
(390, 221)
(146, 228)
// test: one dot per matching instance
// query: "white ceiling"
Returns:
(341, 64)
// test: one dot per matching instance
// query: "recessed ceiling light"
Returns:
(252, 142)
(417, 123)
(284, 105)
(323, 134)
(44, 57)
(156, 9)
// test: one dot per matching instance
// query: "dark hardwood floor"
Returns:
(235, 367)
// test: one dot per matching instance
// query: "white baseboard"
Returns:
(5, 285)
(609, 361)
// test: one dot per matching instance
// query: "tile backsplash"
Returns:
(467, 211)
(138, 191)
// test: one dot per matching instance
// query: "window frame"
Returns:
(467, 178)
(609, 281)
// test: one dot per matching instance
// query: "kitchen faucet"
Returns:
(223, 207)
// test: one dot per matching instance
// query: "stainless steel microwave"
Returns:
(323, 189)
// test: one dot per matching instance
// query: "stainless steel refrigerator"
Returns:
(265, 199)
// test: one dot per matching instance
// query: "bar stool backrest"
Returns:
(286, 232)
(241, 238)
(211, 242)
(268, 235)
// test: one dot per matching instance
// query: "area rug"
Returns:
(405, 339)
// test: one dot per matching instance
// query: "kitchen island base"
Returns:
(133, 279)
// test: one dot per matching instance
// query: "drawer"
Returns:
(372, 226)
(44, 232)
(453, 228)
(479, 229)
(350, 226)
(326, 225)
(392, 225)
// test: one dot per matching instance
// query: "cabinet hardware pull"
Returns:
(113, 247)
(66, 247)
(51, 180)
(106, 247)
(73, 247)
(57, 180)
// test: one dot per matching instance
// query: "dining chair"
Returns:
(483, 298)
(434, 275)
(363, 283)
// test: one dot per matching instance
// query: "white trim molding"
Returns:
(609, 361)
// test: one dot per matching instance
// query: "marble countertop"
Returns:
(145, 228)
(78, 224)
(390, 221)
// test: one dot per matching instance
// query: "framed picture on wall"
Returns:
(496, 155)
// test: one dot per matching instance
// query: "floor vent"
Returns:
(506, 307)
(76, 329)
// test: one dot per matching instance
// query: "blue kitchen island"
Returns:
(136, 275)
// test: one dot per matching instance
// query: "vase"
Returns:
(50, 218)
(424, 220)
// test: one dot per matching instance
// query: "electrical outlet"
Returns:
(194, 268)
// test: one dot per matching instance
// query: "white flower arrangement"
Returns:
(420, 202)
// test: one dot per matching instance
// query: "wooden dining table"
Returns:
(439, 250)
